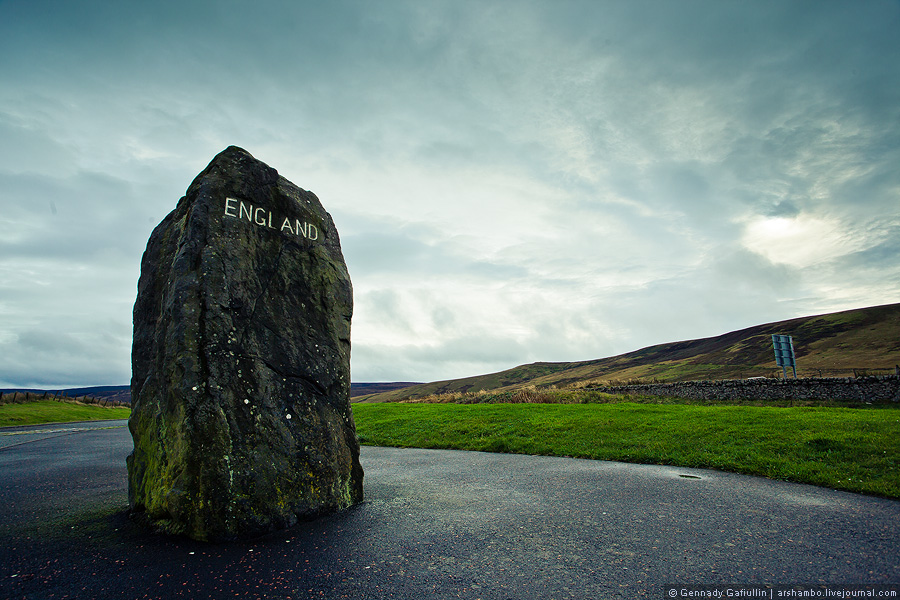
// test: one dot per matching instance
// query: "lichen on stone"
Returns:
(238, 324)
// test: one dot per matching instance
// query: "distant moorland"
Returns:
(111, 394)
(843, 344)
(850, 343)
(122, 393)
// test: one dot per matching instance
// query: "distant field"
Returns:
(851, 449)
(51, 411)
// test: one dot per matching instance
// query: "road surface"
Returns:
(438, 524)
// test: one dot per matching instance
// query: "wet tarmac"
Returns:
(438, 524)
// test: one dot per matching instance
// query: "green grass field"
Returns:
(842, 448)
(854, 449)
(52, 411)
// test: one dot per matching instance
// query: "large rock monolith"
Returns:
(240, 384)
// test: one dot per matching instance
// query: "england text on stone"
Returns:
(262, 217)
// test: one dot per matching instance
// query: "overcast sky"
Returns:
(512, 181)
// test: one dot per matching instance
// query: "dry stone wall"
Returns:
(851, 389)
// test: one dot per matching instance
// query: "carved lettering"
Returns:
(256, 216)
(229, 205)
(249, 210)
(259, 215)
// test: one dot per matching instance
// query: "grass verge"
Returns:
(849, 449)
(52, 411)
(854, 449)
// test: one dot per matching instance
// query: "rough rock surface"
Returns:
(240, 387)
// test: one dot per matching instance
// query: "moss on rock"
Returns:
(241, 360)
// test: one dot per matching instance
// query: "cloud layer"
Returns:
(512, 181)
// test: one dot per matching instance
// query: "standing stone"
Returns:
(240, 384)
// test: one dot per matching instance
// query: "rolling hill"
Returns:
(122, 393)
(830, 345)
(112, 393)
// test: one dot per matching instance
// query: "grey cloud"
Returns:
(645, 134)
(715, 297)
(431, 361)
(739, 272)
(783, 208)
(56, 357)
(49, 343)
(492, 271)
(83, 218)
(29, 149)
(874, 187)
(883, 257)
(400, 250)
(443, 318)
(376, 252)
(385, 307)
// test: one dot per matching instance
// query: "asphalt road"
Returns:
(439, 524)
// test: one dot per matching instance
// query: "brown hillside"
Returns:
(830, 345)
